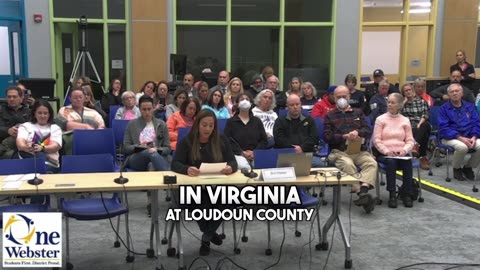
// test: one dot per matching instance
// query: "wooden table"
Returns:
(91, 182)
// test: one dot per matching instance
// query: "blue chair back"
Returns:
(111, 114)
(99, 141)
(87, 163)
(323, 148)
(182, 133)
(22, 166)
(433, 117)
(267, 158)
(221, 125)
(119, 127)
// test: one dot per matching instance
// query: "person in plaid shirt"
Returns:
(416, 110)
(345, 124)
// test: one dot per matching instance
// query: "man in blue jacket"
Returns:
(459, 127)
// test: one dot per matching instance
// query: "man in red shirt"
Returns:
(322, 107)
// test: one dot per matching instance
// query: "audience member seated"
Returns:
(245, 132)
(416, 110)
(459, 127)
(326, 104)
(202, 92)
(12, 114)
(419, 85)
(216, 104)
(296, 130)
(392, 137)
(83, 80)
(467, 70)
(188, 80)
(294, 87)
(91, 103)
(204, 144)
(256, 87)
(378, 103)
(77, 116)
(357, 97)
(162, 100)
(441, 93)
(265, 103)
(280, 97)
(146, 140)
(129, 110)
(183, 118)
(234, 88)
(147, 89)
(113, 96)
(223, 79)
(267, 71)
(348, 125)
(308, 96)
(28, 100)
(40, 136)
(178, 98)
(373, 88)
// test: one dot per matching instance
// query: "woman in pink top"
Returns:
(183, 118)
(393, 139)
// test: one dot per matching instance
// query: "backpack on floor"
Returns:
(415, 190)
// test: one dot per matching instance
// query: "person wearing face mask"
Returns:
(326, 104)
(346, 124)
(239, 131)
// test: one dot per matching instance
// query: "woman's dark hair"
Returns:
(215, 142)
(110, 88)
(178, 93)
(145, 98)
(350, 78)
(235, 108)
(37, 104)
(187, 101)
(221, 103)
(147, 83)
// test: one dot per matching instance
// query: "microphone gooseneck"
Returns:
(35, 181)
(121, 180)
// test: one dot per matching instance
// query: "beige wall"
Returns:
(459, 32)
(149, 41)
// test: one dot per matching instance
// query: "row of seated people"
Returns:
(392, 136)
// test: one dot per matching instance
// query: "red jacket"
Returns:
(322, 107)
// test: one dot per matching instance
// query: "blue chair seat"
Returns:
(93, 209)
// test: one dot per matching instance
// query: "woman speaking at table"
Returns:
(204, 144)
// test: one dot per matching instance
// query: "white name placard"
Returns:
(279, 174)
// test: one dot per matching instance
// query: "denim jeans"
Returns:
(139, 161)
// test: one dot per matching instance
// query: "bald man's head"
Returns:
(294, 106)
(341, 92)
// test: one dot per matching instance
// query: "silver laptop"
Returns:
(300, 161)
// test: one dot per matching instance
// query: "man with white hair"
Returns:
(343, 126)
(272, 84)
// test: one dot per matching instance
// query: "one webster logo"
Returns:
(32, 240)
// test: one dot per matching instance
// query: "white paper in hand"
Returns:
(212, 170)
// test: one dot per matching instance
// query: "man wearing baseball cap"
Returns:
(372, 89)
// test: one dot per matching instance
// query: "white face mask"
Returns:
(244, 105)
(342, 103)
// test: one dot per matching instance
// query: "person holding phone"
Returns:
(146, 140)
(393, 138)
(162, 100)
(204, 144)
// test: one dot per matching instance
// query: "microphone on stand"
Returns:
(121, 180)
(248, 173)
(35, 181)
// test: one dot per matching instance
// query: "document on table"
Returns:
(404, 158)
(212, 170)
(14, 181)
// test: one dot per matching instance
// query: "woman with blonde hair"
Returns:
(234, 88)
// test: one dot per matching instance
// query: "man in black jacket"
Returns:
(296, 130)
(440, 94)
(280, 96)
(12, 115)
